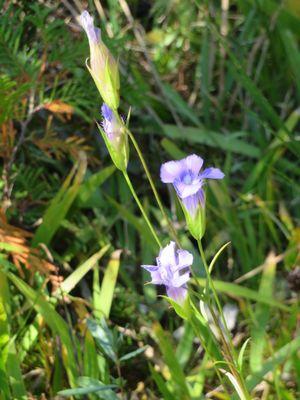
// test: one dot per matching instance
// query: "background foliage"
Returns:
(219, 79)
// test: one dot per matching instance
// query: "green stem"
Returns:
(156, 195)
(128, 181)
(228, 345)
(212, 286)
(192, 321)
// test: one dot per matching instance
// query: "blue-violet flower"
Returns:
(172, 270)
(188, 181)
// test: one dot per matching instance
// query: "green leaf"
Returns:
(228, 142)
(138, 223)
(179, 104)
(185, 346)
(103, 337)
(170, 359)
(90, 361)
(11, 380)
(30, 337)
(75, 277)
(271, 363)
(293, 54)
(133, 354)
(89, 192)
(216, 256)
(61, 204)
(104, 302)
(261, 315)
(182, 310)
(162, 386)
(54, 321)
(241, 354)
(241, 291)
(172, 149)
(283, 17)
(105, 394)
(85, 390)
(4, 346)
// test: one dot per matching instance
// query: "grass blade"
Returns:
(108, 284)
(54, 321)
(228, 142)
(170, 358)
(61, 204)
(262, 313)
(75, 277)
(233, 289)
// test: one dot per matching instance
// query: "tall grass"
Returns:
(216, 79)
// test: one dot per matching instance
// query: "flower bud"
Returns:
(195, 220)
(114, 134)
(103, 67)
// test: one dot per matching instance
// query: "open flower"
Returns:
(172, 270)
(188, 181)
(103, 67)
(114, 134)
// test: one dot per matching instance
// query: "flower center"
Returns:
(187, 179)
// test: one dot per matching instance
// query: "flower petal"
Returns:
(180, 280)
(167, 256)
(107, 112)
(192, 203)
(185, 190)
(171, 170)
(212, 173)
(87, 22)
(150, 268)
(185, 258)
(193, 163)
(156, 278)
(178, 294)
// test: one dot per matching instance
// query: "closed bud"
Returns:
(195, 219)
(114, 133)
(103, 67)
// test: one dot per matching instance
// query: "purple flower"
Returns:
(172, 270)
(110, 124)
(87, 22)
(188, 181)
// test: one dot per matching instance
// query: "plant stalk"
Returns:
(133, 192)
(156, 195)
(228, 345)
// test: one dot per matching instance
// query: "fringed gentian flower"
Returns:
(103, 67)
(188, 181)
(172, 270)
(114, 134)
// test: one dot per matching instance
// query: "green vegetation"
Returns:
(217, 79)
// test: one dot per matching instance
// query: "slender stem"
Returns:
(228, 345)
(128, 181)
(211, 284)
(205, 347)
(120, 378)
(156, 195)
